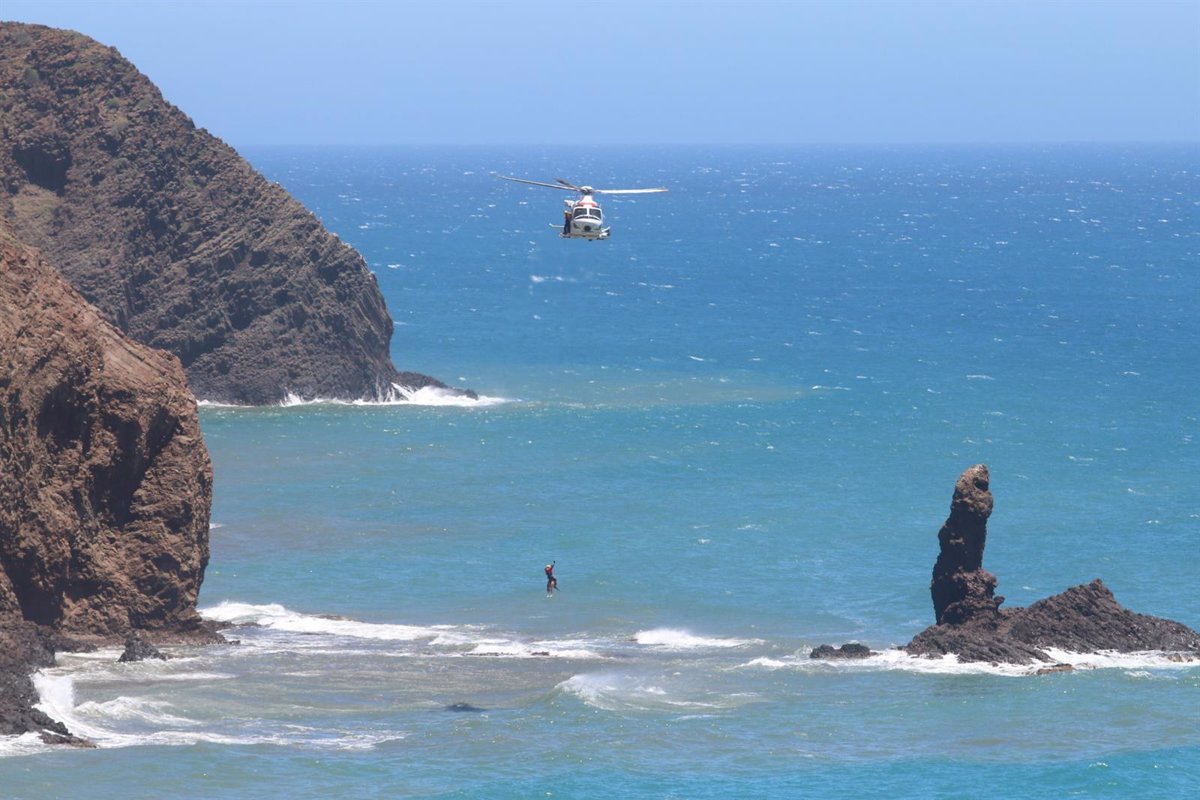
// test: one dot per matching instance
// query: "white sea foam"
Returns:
(100, 722)
(132, 708)
(513, 649)
(23, 745)
(277, 617)
(215, 404)
(1142, 660)
(615, 691)
(399, 395)
(899, 660)
(433, 396)
(674, 639)
(893, 659)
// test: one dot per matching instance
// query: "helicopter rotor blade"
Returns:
(629, 191)
(536, 183)
(568, 184)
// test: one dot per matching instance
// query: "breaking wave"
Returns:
(399, 394)
(434, 640)
(277, 617)
(899, 660)
(673, 639)
(98, 722)
(617, 691)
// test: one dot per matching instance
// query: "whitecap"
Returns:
(675, 639)
(614, 691)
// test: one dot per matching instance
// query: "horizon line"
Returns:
(930, 143)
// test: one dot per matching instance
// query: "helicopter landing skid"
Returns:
(603, 234)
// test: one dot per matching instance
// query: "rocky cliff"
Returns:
(972, 626)
(175, 238)
(105, 483)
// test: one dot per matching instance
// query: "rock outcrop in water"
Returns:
(849, 650)
(105, 483)
(972, 626)
(138, 649)
(177, 239)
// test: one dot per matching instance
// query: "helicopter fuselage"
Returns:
(583, 219)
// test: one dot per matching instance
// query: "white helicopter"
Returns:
(582, 217)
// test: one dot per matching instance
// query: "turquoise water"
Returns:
(735, 426)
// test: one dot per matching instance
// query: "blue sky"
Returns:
(611, 71)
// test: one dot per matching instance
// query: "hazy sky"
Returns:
(610, 71)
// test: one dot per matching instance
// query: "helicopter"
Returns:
(582, 217)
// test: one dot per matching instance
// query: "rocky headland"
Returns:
(971, 625)
(176, 239)
(105, 485)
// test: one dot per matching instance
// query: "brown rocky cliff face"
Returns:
(105, 483)
(174, 237)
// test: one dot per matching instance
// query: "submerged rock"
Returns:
(971, 625)
(176, 238)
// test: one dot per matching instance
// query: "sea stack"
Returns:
(971, 625)
(105, 484)
(177, 240)
(962, 589)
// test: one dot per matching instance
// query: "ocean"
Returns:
(735, 428)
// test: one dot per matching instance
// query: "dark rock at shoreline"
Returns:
(1088, 618)
(1083, 619)
(138, 649)
(23, 648)
(849, 650)
(105, 483)
(176, 238)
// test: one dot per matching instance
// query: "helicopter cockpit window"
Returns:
(586, 213)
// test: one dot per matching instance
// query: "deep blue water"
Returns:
(735, 426)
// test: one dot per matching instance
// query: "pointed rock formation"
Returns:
(971, 625)
(176, 239)
(962, 589)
